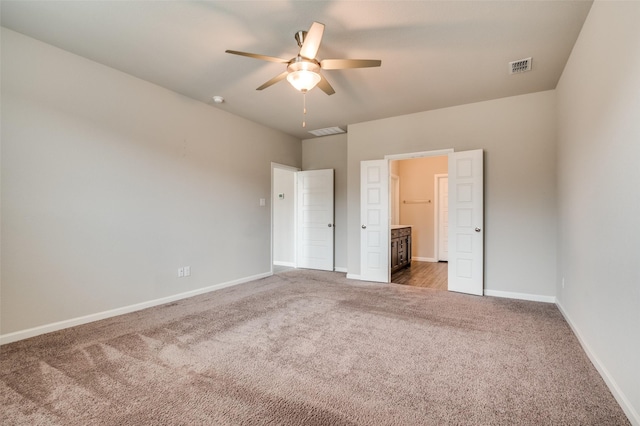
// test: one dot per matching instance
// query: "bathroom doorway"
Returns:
(420, 202)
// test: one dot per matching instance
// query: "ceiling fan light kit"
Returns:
(303, 74)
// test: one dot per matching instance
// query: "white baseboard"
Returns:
(48, 328)
(340, 269)
(353, 276)
(424, 259)
(632, 414)
(520, 296)
(289, 264)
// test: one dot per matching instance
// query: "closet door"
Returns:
(315, 220)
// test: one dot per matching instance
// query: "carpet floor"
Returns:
(311, 348)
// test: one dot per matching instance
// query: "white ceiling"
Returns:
(434, 54)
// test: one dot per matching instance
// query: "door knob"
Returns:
(364, 226)
(477, 229)
(329, 225)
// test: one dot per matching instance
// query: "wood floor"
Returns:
(423, 274)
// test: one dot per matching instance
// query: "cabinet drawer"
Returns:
(400, 232)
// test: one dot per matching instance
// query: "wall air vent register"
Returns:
(521, 65)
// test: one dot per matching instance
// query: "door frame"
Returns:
(295, 195)
(437, 219)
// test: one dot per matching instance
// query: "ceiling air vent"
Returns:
(519, 66)
(326, 132)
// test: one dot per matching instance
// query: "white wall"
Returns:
(330, 152)
(110, 183)
(284, 217)
(599, 194)
(518, 138)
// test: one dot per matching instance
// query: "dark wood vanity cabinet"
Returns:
(400, 248)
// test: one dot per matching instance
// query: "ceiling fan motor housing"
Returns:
(303, 64)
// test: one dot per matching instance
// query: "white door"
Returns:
(374, 217)
(466, 240)
(315, 220)
(443, 218)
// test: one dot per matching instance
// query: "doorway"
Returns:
(302, 216)
(465, 272)
(421, 205)
(283, 214)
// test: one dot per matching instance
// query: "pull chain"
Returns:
(304, 109)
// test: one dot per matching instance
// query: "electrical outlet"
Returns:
(187, 271)
(180, 272)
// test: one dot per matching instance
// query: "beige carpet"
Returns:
(311, 348)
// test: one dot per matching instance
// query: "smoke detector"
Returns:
(521, 65)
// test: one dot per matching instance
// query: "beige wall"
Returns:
(599, 194)
(517, 135)
(330, 152)
(417, 178)
(110, 184)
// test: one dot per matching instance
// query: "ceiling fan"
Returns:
(303, 71)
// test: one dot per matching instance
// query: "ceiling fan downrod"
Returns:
(300, 36)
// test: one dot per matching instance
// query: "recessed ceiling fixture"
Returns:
(218, 99)
(327, 131)
(519, 66)
(303, 71)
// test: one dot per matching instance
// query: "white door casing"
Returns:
(466, 233)
(374, 221)
(315, 233)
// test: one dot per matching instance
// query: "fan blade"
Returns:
(274, 80)
(312, 41)
(339, 64)
(325, 86)
(256, 56)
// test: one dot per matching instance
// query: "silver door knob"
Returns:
(329, 225)
(477, 229)
(364, 226)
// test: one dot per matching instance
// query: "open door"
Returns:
(315, 220)
(466, 234)
(374, 216)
